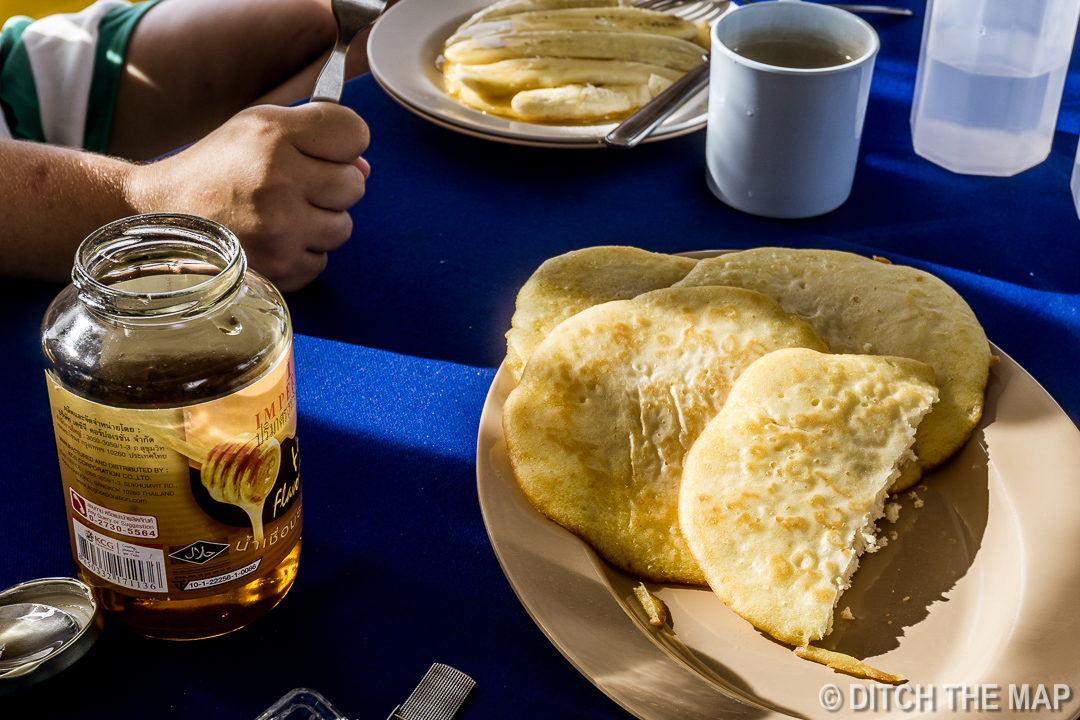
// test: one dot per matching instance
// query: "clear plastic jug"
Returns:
(989, 84)
(1074, 182)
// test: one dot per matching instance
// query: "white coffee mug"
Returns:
(783, 138)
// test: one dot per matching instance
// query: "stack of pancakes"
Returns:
(568, 61)
(738, 421)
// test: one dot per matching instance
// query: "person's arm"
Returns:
(281, 178)
(192, 64)
(50, 199)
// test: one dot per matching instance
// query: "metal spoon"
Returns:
(32, 631)
(353, 17)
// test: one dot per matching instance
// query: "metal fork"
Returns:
(353, 17)
(640, 125)
(648, 117)
(670, 5)
(692, 10)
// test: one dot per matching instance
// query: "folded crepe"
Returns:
(865, 306)
(781, 490)
(612, 399)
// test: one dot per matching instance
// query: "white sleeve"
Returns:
(61, 49)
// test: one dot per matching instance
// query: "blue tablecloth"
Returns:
(398, 343)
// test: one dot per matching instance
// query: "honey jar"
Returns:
(173, 397)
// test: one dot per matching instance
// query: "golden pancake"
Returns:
(612, 399)
(781, 490)
(864, 306)
(567, 284)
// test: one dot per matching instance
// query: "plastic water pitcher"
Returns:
(989, 84)
(1074, 182)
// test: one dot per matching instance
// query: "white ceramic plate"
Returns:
(403, 49)
(978, 589)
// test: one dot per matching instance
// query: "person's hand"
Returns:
(281, 178)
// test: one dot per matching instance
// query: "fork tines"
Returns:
(707, 10)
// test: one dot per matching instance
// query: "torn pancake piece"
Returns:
(567, 284)
(613, 398)
(655, 608)
(781, 490)
(847, 664)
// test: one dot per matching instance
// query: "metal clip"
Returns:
(439, 695)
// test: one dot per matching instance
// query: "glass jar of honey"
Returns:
(172, 390)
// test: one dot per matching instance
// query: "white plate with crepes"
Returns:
(976, 594)
(403, 52)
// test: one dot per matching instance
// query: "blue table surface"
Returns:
(398, 342)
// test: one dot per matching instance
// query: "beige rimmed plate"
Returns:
(403, 50)
(977, 590)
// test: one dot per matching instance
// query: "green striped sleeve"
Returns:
(18, 96)
(114, 32)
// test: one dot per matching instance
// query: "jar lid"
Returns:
(45, 626)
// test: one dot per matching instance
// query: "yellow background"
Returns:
(39, 8)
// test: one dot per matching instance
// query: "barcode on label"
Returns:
(136, 567)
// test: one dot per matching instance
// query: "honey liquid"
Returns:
(165, 556)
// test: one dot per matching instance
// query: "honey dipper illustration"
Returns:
(238, 471)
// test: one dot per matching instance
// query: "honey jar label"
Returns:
(184, 502)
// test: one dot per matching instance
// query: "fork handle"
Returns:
(872, 9)
(876, 9)
(331, 80)
(640, 125)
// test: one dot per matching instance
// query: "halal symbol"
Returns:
(199, 552)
